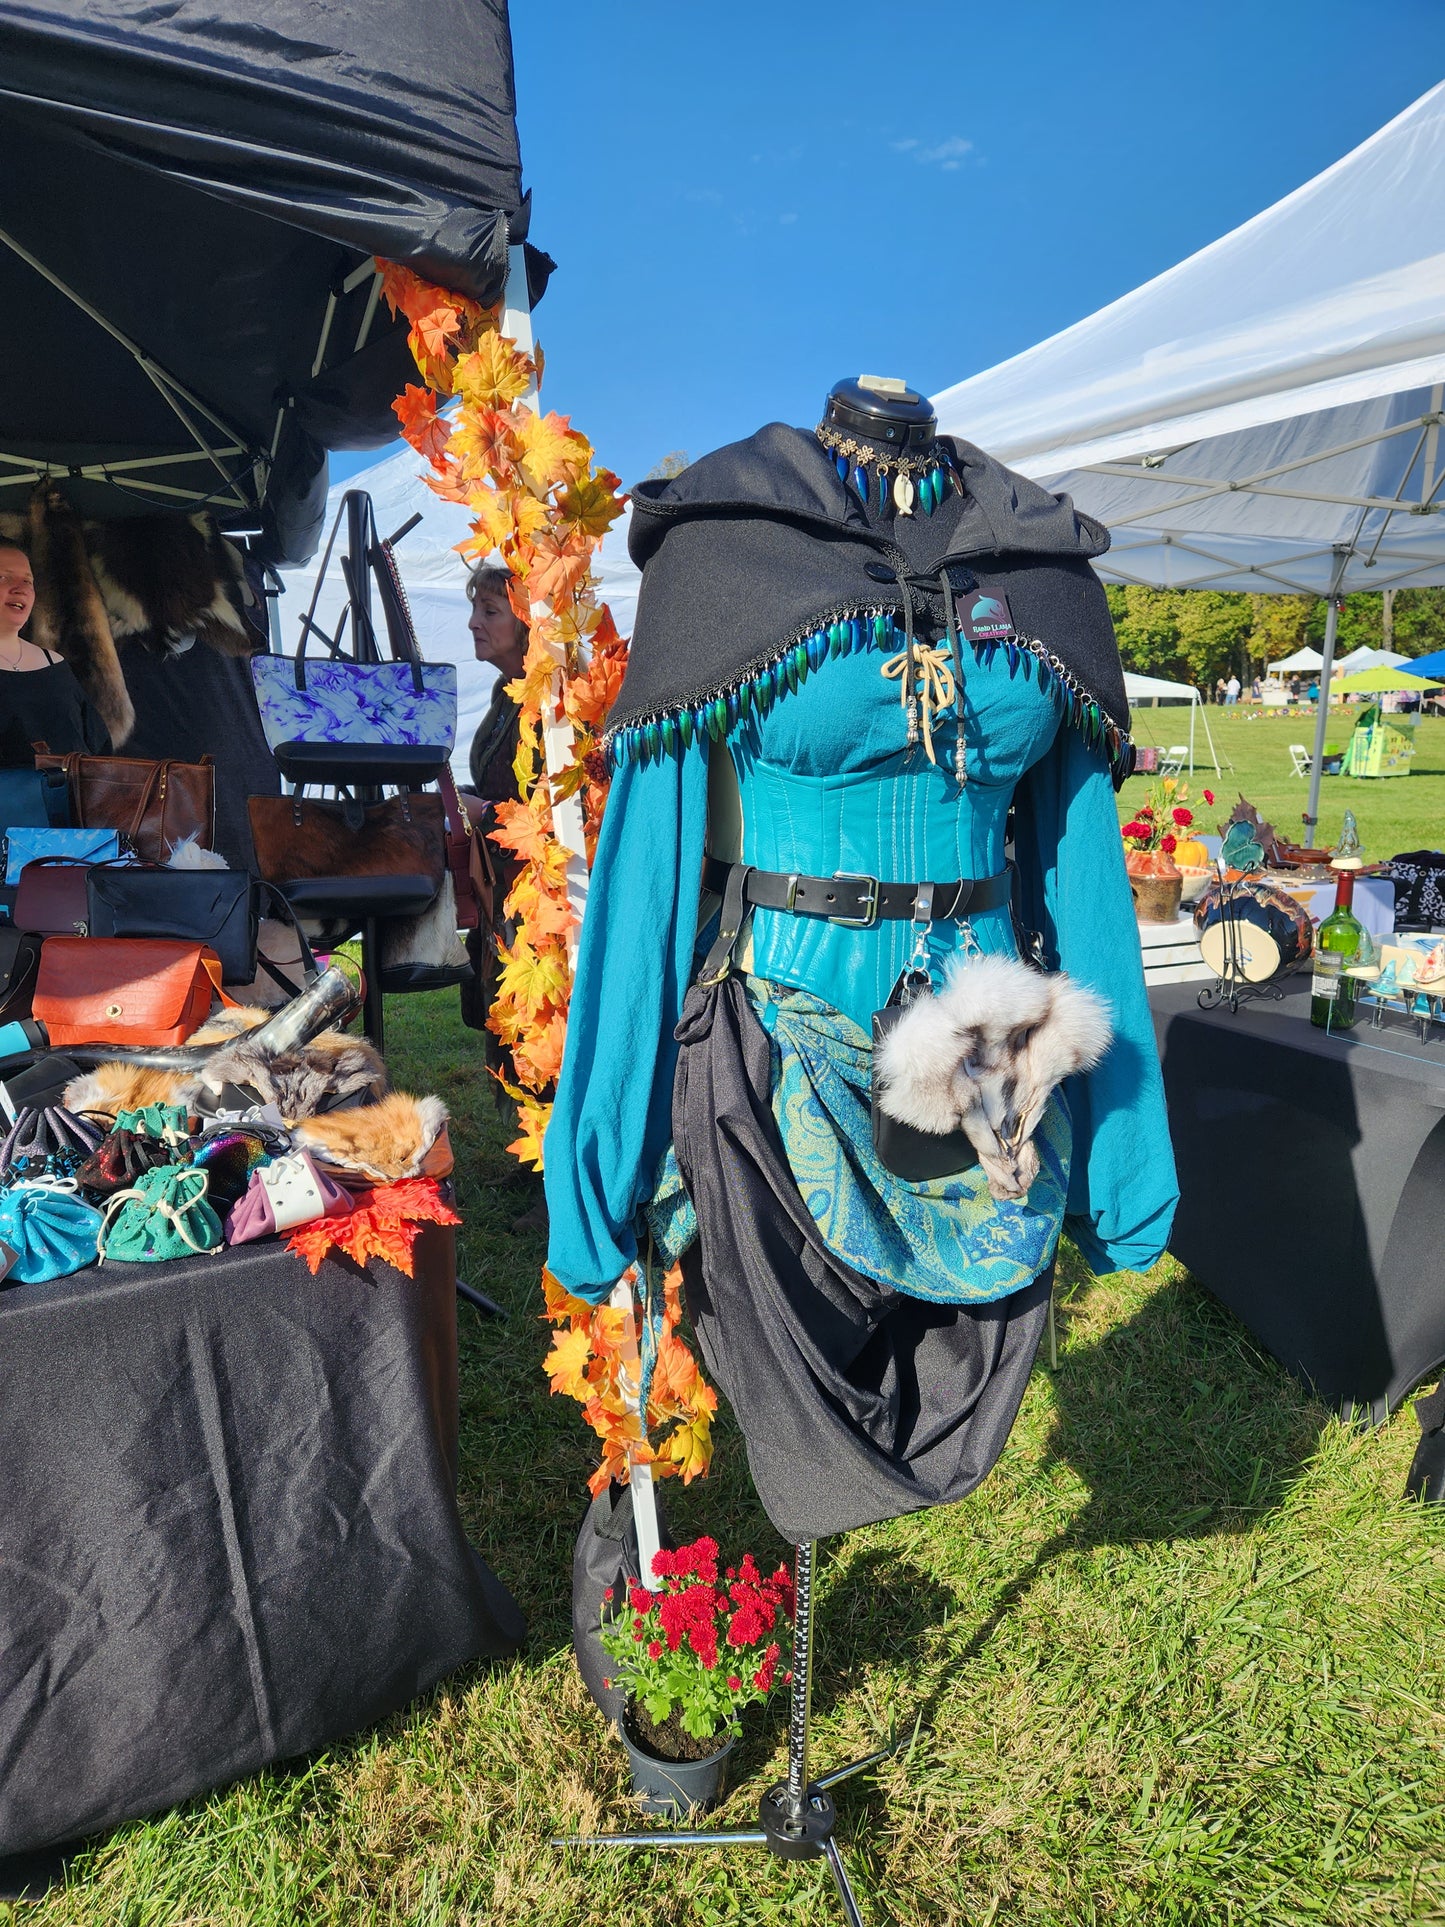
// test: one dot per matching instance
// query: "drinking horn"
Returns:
(332, 999)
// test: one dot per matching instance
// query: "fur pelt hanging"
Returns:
(983, 1056)
(156, 579)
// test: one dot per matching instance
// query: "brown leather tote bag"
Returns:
(298, 837)
(152, 805)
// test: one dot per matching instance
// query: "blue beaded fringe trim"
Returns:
(668, 733)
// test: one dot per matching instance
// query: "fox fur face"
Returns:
(983, 1057)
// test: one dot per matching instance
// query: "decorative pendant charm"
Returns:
(903, 492)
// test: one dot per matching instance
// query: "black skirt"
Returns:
(856, 1402)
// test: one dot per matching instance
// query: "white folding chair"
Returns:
(1300, 759)
(1173, 759)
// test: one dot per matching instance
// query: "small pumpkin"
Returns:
(1191, 854)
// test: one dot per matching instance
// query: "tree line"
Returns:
(1198, 635)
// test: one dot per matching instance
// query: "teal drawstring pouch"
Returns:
(164, 1121)
(46, 1232)
(164, 1215)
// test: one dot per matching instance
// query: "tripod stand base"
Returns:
(788, 1835)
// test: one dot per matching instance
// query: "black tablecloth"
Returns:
(1312, 1179)
(228, 1524)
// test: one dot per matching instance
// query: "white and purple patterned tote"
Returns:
(393, 704)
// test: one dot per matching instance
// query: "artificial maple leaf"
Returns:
(527, 1148)
(486, 444)
(560, 563)
(493, 375)
(429, 433)
(542, 1050)
(552, 452)
(522, 829)
(566, 1364)
(533, 978)
(590, 504)
(435, 329)
(549, 917)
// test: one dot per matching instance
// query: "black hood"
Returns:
(755, 554)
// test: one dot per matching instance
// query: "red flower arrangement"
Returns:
(698, 1644)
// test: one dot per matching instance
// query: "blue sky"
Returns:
(747, 201)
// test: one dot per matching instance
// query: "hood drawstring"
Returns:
(929, 671)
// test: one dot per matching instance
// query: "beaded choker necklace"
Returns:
(923, 478)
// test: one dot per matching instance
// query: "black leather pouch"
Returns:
(215, 907)
(913, 1155)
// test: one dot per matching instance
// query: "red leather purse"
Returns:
(125, 990)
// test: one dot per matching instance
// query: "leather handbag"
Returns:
(19, 961)
(213, 907)
(918, 1157)
(473, 878)
(51, 898)
(76, 846)
(152, 805)
(296, 837)
(146, 991)
(34, 799)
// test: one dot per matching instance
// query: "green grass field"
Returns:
(1394, 813)
(1178, 1660)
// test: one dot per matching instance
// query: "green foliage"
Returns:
(1199, 635)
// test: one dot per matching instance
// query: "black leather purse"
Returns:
(213, 907)
(913, 1155)
(19, 962)
(219, 908)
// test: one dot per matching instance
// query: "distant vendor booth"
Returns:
(229, 1529)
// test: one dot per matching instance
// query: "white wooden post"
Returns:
(567, 823)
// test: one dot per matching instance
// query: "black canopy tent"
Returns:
(190, 200)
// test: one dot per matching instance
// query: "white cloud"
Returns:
(947, 154)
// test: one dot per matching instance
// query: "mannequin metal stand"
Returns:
(796, 1818)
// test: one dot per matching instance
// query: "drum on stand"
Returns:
(1250, 931)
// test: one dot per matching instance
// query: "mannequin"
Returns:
(857, 649)
(881, 684)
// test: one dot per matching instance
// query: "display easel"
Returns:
(796, 1818)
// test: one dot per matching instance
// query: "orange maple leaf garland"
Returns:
(533, 491)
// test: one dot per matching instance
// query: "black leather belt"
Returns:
(859, 901)
(855, 902)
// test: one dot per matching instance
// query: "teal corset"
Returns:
(827, 784)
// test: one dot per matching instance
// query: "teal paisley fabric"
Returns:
(946, 1240)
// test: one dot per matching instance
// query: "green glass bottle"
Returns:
(1337, 943)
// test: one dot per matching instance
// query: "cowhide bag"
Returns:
(298, 837)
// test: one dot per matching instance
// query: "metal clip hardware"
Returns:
(917, 965)
(870, 900)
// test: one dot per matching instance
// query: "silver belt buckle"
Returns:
(870, 901)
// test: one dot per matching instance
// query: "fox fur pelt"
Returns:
(983, 1056)
(401, 1137)
(332, 1068)
(157, 579)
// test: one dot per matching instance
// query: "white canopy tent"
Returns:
(435, 576)
(1367, 658)
(1266, 415)
(1155, 690)
(1296, 665)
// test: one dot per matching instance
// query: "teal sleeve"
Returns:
(612, 1119)
(1073, 888)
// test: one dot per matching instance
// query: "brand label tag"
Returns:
(983, 616)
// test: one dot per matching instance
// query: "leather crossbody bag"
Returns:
(124, 990)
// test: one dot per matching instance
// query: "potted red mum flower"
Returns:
(690, 1653)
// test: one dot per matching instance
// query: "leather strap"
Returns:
(855, 902)
(862, 900)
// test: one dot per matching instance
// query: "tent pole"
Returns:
(1322, 708)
